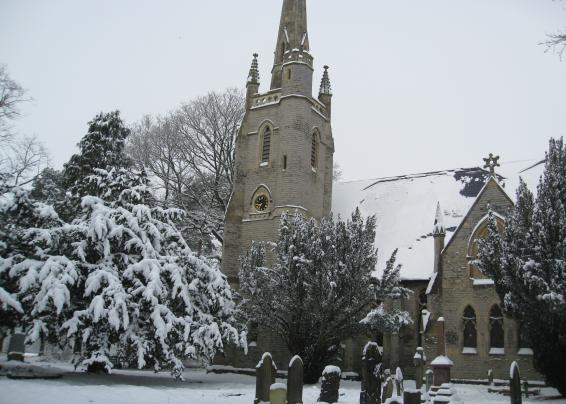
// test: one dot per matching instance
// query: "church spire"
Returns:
(325, 88)
(253, 76)
(292, 39)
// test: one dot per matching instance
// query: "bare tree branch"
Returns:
(11, 95)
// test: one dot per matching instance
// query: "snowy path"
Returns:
(143, 387)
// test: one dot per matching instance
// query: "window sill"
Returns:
(469, 351)
(264, 164)
(313, 170)
(525, 352)
(497, 351)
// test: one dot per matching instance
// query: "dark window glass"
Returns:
(470, 334)
(266, 145)
(496, 335)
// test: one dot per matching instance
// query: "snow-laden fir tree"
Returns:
(118, 275)
(528, 265)
(320, 289)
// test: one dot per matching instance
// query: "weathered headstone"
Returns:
(419, 360)
(515, 384)
(277, 394)
(526, 388)
(429, 377)
(490, 377)
(399, 381)
(17, 347)
(371, 374)
(295, 381)
(330, 384)
(387, 388)
(265, 372)
(411, 396)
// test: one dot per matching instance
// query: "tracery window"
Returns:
(265, 145)
(314, 150)
(470, 332)
(496, 334)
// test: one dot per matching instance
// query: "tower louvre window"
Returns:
(266, 145)
(314, 151)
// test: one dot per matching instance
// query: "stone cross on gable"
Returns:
(491, 162)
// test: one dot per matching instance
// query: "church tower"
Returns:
(284, 150)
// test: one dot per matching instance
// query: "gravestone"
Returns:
(399, 381)
(295, 381)
(371, 374)
(419, 360)
(429, 377)
(277, 394)
(17, 347)
(490, 377)
(330, 384)
(515, 384)
(387, 388)
(411, 396)
(265, 372)
(526, 388)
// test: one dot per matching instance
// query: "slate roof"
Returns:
(405, 207)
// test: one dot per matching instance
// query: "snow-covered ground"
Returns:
(145, 387)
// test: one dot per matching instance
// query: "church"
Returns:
(284, 163)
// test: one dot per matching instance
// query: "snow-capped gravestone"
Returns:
(295, 381)
(17, 347)
(419, 360)
(429, 377)
(278, 393)
(371, 378)
(265, 372)
(490, 377)
(330, 384)
(399, 381)
(387, 391)
(515, 384)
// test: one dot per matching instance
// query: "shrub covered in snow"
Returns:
(320, 289)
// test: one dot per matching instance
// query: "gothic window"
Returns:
(265, 145)
(470, 333)
(496, 334)
(481, 231)
(314, 151)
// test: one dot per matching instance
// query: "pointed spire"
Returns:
(325, 88)
(439, 228)
(253, 77)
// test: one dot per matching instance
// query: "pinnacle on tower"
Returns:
(253, 77)
(325, 88)
(439, 228)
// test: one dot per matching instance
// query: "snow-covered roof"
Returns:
(405, 207)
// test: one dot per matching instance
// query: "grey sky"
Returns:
(418, 85)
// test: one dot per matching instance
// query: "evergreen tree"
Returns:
(117, 274)
(47, 187)
(320, 289)
(531, 275)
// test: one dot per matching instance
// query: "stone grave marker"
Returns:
(490, 377)
(412, 396)
(277, 393)
(265, 372)
(387, 387)
(419, 360)
(17, 347)
(526, 387)
(429, 377)
(295, 381)
(330, 384)
(371, 374)
(399, 381)
(515, 384)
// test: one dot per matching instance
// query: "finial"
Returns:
(253, 77)
(491, 162)
(325, 88)
(439, 228)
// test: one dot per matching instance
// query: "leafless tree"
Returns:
(557, 43)
(21, 160)
(11, 96)
(191, 153)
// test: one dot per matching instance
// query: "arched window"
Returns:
(496, 334)
(314, 150)
(265, 145)
(470, 333)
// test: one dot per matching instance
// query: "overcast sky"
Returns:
(418, 85)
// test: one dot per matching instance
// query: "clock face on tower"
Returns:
(261, 203)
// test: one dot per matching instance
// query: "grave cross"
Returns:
(491, 162)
